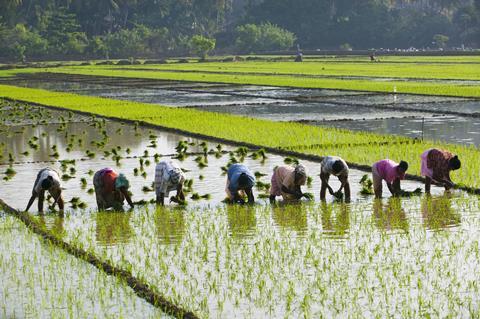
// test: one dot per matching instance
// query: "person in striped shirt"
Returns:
(168, 177)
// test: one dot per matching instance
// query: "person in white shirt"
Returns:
(47, 180)
(168, 177)
(334, 165)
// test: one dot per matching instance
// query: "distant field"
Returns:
(333, 68)
(447, 76)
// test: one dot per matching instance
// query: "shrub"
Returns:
(263, 37)
(201, 46)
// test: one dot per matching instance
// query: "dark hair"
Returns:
(243, 180)
(47, 183)
(454, 163)
(403, 165)
(337, 166)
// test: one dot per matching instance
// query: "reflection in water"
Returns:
(242, 220)
(335, 218)
(437, 212)
(170, 224)
(53, 223)
(390, 216)
(291, 216)
(113, 228)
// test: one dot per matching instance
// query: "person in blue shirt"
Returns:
(240, 181)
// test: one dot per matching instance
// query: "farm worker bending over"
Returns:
(436, 167)
(47, 180)
(240, 182)
(391, 172)
(168, 177)
(287, 181)
(111, 189)
(334, 165)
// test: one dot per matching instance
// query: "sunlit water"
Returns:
(413, 256)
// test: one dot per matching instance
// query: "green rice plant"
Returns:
(259, 174)
(147, 189)
(90, 154)
(10, 172)
(367, 185)
(291, 160)
(83, 182)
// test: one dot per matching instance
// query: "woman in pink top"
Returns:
(390, 172)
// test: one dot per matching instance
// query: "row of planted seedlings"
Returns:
(231, 259)
(314, 260)
(65, 286)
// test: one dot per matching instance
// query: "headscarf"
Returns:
(121, 181)
(301, 172)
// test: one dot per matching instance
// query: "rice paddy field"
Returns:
(393, 257)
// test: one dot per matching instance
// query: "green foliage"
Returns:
(201, 45)
(263, 37)
(440, 40)
(19, 42)
(137, 41)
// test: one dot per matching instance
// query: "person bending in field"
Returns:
(47, 180)
(169, 177)
(334, 165)
(240, 182)
(287, 182)
(390, 172)
(436, 167)
(111, 189)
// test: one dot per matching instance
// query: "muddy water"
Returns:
(446, 128)
(319, 111)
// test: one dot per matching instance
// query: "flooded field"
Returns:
(42, 281)
(367, 258)
(383, 113)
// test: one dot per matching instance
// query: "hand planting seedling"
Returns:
(367, 185)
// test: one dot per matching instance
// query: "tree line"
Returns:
(156, 28)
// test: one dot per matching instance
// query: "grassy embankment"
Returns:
(356, 147)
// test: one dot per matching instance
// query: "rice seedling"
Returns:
(90, 154)
(259, 174)
(83, 182)
(73, 286)
(291, 160)
(367, 185)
